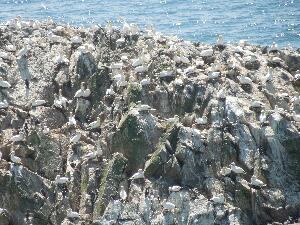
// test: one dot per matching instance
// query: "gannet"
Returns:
(296, 117)
(256, 182)
(178, 82)
(175, 188)
(123, 194)
(189, 70)
(166, 73)
(273, 47)
(95, 124)
(202, 120)
(269, 76)
(19, 137)
(14, 158)
(263, 117)
(72, 120)
(75, 138)
(207, 53)
(169, 206)
(141, 69)
(5, 55)
(116, 65)
(244, 80)
(46, 130)
(145, 82)
(62, 99)
(138, 175)
(221, 94)
(4, 84)
(276, 60)
(236, 169)
(23, 51)
(218, 199)
(220, 40)
(257, 104)
(38, 102)
(225, 171)
(57, 103)
(213, 75)
(120, 41)
(109, 91)
(10, 48)
(61, 180)
(76, 40)
(0, 155)
(243, 43)
(83, 92)
(59, 59)
(144, 107)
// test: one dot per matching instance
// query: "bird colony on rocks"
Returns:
(117, 125)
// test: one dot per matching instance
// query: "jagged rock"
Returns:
(136, 137)
(111, 178)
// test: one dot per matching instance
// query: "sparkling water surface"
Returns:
(259, 21)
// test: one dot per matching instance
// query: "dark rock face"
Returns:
(188, 133)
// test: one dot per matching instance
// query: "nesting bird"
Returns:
(95, 124)
(256, 182)
(175, 188)
(138, 175)
(123, 194)
(61, 180)
(83, 92)
(75, 139)
(14, 158)
(4, 104)
(219, 199)
(236, 169)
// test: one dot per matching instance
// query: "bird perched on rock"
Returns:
(95, 124)
(174, 188)
(244, 80)
(123, 194)
(236, 169)
(75, 139)
(18, 137)
(4, 84)
(218, 199)
(72, 120)
(61, 180)
(83, 92)
(138, 175)
(38, 102)
(256, 182)
(168, 206)
(72, 214)
(3, 104)
(14, 158)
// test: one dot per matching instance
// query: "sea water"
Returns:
(258, 21)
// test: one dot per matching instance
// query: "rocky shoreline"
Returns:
(108, 125)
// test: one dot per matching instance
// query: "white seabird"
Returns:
(76, 40)
(72, 120)
(218, 199)
(225, 171)
(23, 51)
(95, 124)
(256, 182)
(138, 175)
(72, 214)
(236, 169)
(10, 48)
(0, 155)
(123, 194)
(83, 92)
(109, 91)
(62, 99)
(46, 130)
(75, 138)
(166, 73)
(59, 59)
(38, 102)
(61, 180)
(169, 206)
(145, 82)
(214, 75)
(18, 137)
(220, 40)
(296, 117)
(202, 120)
(207, 52)
(244, 80)
(273, 47)
(4, 84)
(3, 104)
(269, 76)
(14, 158)
(257, 104)
(174, 188)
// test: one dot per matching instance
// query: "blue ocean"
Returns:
(258, 21)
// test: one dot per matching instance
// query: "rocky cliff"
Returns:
(108, 125)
